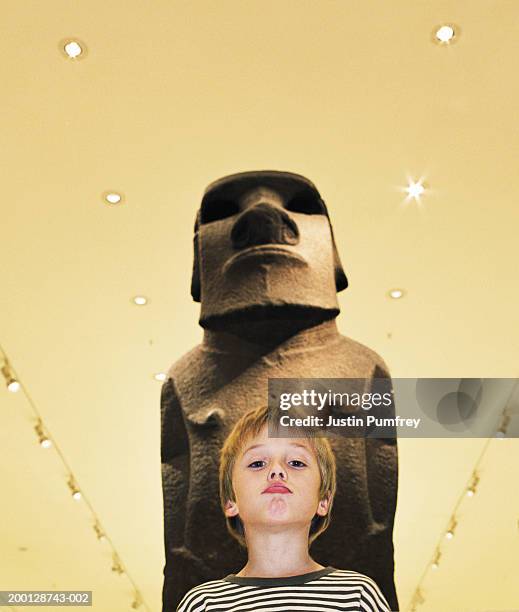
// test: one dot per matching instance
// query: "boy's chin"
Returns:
(278, 508)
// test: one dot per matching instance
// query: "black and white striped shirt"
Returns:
(326, 590)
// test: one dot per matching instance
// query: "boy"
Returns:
(277, 494)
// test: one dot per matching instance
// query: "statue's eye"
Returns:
(216, 210)
(305, 203)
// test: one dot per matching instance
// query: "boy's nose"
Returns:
(280, 472)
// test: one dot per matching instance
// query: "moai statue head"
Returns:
(264, 250)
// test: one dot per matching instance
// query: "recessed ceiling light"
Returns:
(73, 48)
(415, 190)
(396, 293)
(445, 34)
(140, 300)
(160, 376)
(113, 198)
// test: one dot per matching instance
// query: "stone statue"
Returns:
(266, 272)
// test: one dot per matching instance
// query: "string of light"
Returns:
(46, 440)
(469, 490)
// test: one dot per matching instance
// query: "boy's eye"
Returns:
(259, 463)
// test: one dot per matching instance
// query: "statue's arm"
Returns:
(175, 467)
(382, 458)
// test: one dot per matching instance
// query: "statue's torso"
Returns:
(215, 389)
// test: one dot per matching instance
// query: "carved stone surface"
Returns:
(266, 271)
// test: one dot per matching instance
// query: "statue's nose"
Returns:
(264, 224)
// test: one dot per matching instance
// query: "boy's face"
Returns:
(276, 483)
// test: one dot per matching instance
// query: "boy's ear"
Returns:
(324, 505)
(231, 509)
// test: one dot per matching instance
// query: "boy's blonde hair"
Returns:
(249, 425)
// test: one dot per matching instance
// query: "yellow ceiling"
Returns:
(170, 96)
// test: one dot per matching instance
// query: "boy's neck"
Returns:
(250, 572)
(278, 555)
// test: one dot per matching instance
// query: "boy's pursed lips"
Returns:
(277, 487)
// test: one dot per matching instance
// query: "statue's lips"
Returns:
(261, 251)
